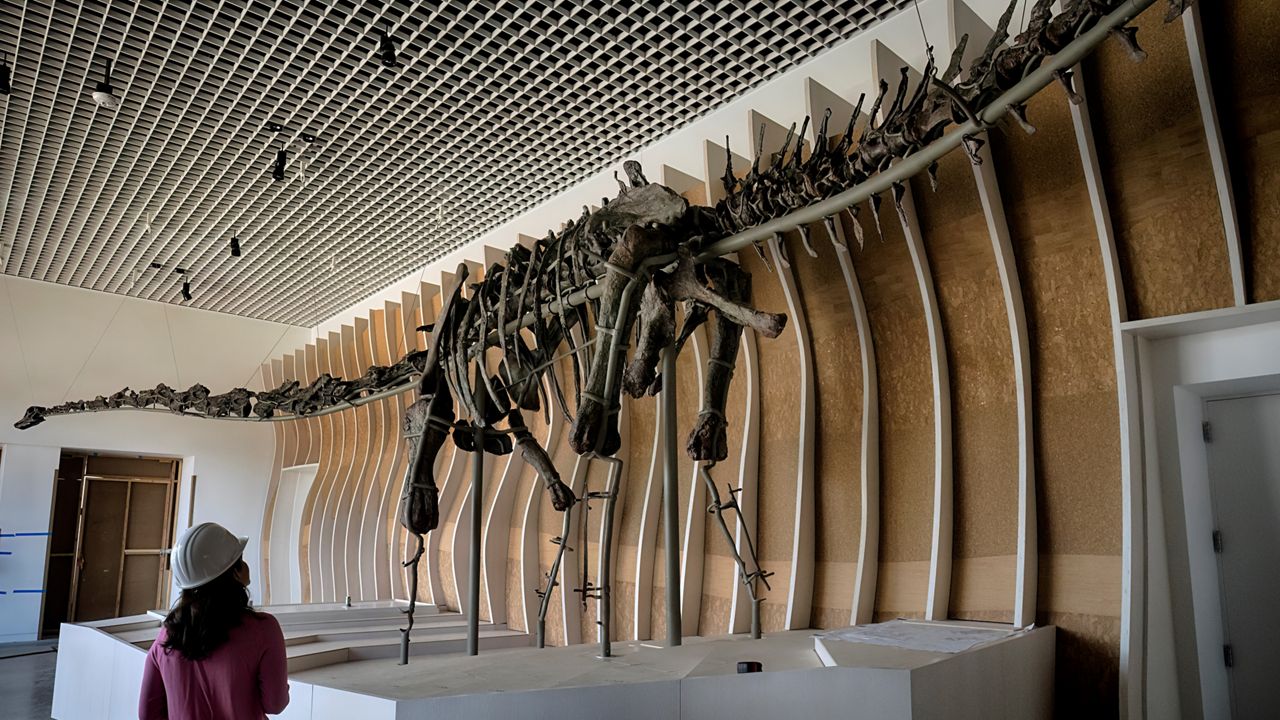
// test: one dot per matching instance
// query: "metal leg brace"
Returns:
(749, 578)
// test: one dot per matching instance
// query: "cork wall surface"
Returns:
(1077, 431)
(983, 411)
(643, 414)
(1146, 121)
(837, 461)
(720, 575)
(896, 315)
(779, 414)
(1240, 38)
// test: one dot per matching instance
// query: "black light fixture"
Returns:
(277, 168)
(235, 246)
(387, 49)
(103, 93)
(186, 284)
(6, 75)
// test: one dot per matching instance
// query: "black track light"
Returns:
(186, 290)
(103, 93)
(387, 50)
(6, 76)
(235, 246)
(277, 168)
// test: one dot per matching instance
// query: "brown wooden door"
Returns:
(126, 527)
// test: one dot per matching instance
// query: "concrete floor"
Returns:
(26, 681)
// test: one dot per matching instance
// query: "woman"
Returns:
(215, 658)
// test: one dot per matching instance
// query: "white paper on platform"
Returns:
(917, 635)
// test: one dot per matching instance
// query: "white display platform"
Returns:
(805, 675)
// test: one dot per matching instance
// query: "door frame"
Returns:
(1176, 602)
(163, 581)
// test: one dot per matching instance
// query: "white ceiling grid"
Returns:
(495, 107)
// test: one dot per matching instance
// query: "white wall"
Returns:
(26, 493)
(59, 343)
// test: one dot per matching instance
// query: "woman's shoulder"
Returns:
(263, 619)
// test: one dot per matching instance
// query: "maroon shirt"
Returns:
(244, 679)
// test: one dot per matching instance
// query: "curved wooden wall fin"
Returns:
(884, 64)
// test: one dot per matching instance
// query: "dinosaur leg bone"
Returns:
(595, 429)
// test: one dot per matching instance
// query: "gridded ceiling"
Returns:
(495, 106)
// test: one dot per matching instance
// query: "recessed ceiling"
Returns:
(494, 107)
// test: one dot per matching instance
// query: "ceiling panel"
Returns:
(495, 107)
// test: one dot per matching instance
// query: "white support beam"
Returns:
(800, 584)
(862, 606)
(1132, 589)
(529, 514)
(864, 588)
(647, 542)
(1194, 30)
(886, 64)
(803, 539)
(692, 551)
(747, 376)
(1026, 572)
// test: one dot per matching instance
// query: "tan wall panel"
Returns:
(271, 375)
(374, 531)
(644, 419)
(980, 361)
(1073, 383)
(717, 602)
(550, 523)
(1146, 119)
(528, 489)
(1241, 44)
(837, 461)
(896, 316)
(312, 514)
(779, 410)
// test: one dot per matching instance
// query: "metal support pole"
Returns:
(671, 495)
(606, 559)
(477, 521)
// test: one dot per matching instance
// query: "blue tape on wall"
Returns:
(29, 592)
(3, 592)
(5, 552)
(24, 534)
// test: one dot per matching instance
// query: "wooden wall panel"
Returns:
(524, 566)
(357, 564)
(837, 461)
(643, 417)
(1073, 378)
(375, 558)
(550, 524)
(895, 312)
(271, 373)
(1240, 38)
(308, 547)
(1147, 122)
(984, 414)
(307, 448)
(454, 481)
(333, 528)
(427, 305)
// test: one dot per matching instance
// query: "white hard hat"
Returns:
(204, 552)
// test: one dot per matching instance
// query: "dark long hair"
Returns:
(203, 618)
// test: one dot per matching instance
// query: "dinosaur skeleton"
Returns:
(576, 289)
